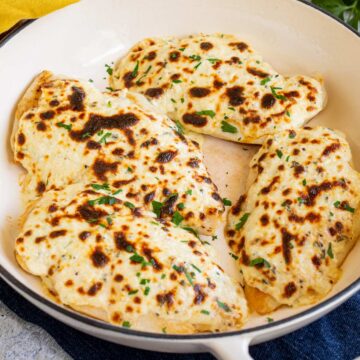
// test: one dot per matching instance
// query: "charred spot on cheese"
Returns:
(316, 261)
(195, 119)
(200, 295)
(98, 122)
(77, 98)
(216, 196)
(193, 162)
(101, 167)
(166, 156)
(118, 278)
(331, 148)
(257, 72)
(21, 139)
(290, 289)
(94, 289)
(235, 95)
(54, 103)
(84, 235)
(93, 145)
(128, 79)
(199, 92)
(205, 45)
(149, 197)
(154, 92)
(268, 101)
(286, 238)
(218, 84)
(168, 205)
(298, 169)
(174, 56)
(41, 126)
(268, 188)
(41, 187)
(151, 55)
(151, 258)
(166, 298)
(99, 259)
(47, 115)
(121, 243)
(40, 239)
(57, 233)
(239, 45)
(236, 209)
(89, 214)
(264, 220)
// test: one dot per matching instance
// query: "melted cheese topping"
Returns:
(218, 85)
(125, 266)
(71, 132)
(300, 216)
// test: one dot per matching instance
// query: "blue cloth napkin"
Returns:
(334, 337)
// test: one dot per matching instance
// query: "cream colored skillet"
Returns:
(79, 40)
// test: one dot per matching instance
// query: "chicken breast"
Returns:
(66, 132)
(298, 219)
(218, 85)
(116, 262)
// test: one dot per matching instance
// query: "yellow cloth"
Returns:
(11, 11)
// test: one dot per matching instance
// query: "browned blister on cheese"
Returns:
(66, 131)
(218, 85)
(106, 258)
(298, 219)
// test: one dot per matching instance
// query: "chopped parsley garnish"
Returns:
(292, 135)
(109, 88)
(177, 81)
(235, 257)
(188, 277)
(105, 187)
(223, 306)
(109, 220)
(195, 57)
(147, 291)
(144, 281)
(65, 126)
(269, 319)
(206, 113)
(331, 213)
(129, 169)
(181, 206)
(197, 65)
(347, 207)
(117, 192)
(214, 237)
(130, 249)
(126, 324)
(191, 230)
(344, 206)
(104, 138)
(157, 206)
(205, 312)
(196, 268)
(109, 69)
(173, 55)
(276, 95)
(242, 221)
(129, 205)
(279, 153)
(304, 182)
(91, 80)
(259, 261)
(140, 259)
(181, 49)
(182, 100)
(132, 292)
(188, 192)
(177, 218)
(164, 330)
(330, 252)
(265, 81)
(103, 200)
(163, 276)
(231, 108)
(226, 202)
(143, 75)
(213, 60)
(135, 71)
(179, 127)
(86, 135)
(226, 127)
(337, 204)
(300, 200)
(173, 100)
(287, 158)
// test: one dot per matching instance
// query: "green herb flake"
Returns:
(103, 200)
(147, 291)
(197, 65)
(129, 205)
(330, 251)
(181, 206)
(235, 257)
(276, 95)
(226, 202)
(292, 135)
(157, 206)
(206, 113)
(91, 80)
(163, 276)
(138, 82)
(133, 292)
(104, 138)
(279, 153)
(226, 127)
(259, 261)
(265, 81)
(188, 192)
(181, 49)
(304, 182)
(191, 230)
(347, 207)
(223, 306)
(104, 186)
(65, 126)
(173, 100)
(196, 268)
(213, 60)
(287, 158)
(177, 218)
(205, 312)
(177, 81)
(164, 330)
(109, 88)
(179, 127)
(135, 70)
(109, 69)
(195, 57)
(126, 324)
(109, 220)
(242, 221)
(269, 319)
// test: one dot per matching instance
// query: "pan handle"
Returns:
(230, 348)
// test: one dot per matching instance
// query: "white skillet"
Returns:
(78, 40)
